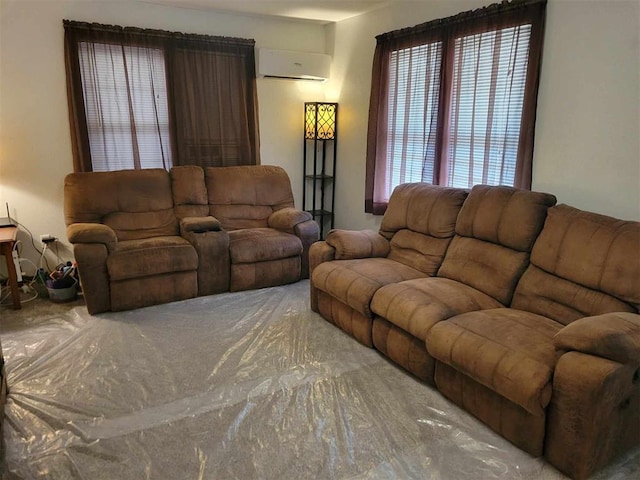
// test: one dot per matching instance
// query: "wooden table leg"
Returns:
(7, 248)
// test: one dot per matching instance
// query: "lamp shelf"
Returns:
(319, 177)
(319, 213)
(319, 157)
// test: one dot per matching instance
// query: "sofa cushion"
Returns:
(137, 225)
(490, 268)
(595, 251)
(89, 197)
(354, 282)
(496, 229)
(419, 251)
(423, 208)
(245, 276)
(245, 197)
(151, 256)
(562, 300)
(503, 215)
(189, 191)
(507, 350)
(188, 186)
(419, 222)
(417, 305)
(262, 244)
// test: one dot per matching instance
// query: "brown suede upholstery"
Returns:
(419, 222)
(126, 237)
(269, 239)
(495, 231)
(203, 231)
(480, 270)
(408, 246)
(530, 322)
(508, 351)
(582, 264)
(362, 244)
(147, 236)
(615, 336)
(525, 356)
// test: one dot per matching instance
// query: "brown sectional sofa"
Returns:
(143, 237)
(522, 312)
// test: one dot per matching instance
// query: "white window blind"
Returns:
(414, 89)
(487, 95)
(125, 97)
(485, 110)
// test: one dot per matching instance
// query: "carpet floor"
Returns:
(240, 385)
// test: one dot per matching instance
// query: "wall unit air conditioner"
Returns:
(293, 65)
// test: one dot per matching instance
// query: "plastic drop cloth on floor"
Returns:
(239, 385)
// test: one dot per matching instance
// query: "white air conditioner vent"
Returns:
(293, 65)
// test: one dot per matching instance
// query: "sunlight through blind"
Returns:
(489, 77)
(414, 87)
(125, 97)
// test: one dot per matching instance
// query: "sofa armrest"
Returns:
(351, 244)
(308, 232)
(593, 414)
(199, 225)
(287, 218)
(92, 233)
(614, 336)
(211, 243)
(319, 252)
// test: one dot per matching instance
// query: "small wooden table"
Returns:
(8, 237)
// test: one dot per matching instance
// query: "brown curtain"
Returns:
(214, 102)
(467, 138)
(149, 98)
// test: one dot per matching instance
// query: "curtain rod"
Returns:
(493, 9)
(91, 26)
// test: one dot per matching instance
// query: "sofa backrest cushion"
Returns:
(135, 203)
(423, 208)
(420, 222)
(582, 264)
(505, 216)
(495, 231)
(245, 196)
(189, 191)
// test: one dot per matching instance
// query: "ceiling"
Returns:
(320, 11)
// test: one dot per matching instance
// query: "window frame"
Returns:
(225, 135)
(493, 17)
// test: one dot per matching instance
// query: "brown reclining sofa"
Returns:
(521, 312)
(143, 237)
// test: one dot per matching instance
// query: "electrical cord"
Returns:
(17, 247)
(34, 244)
(2, 299)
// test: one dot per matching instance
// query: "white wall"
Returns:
(587, 149)
(35, 147)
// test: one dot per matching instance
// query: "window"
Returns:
(149, 98)
(126, 106)
(414, 92)
(453, 101)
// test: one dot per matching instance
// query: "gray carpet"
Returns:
(240, 385)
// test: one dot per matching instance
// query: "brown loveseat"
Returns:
(143, 237)
(521, 312)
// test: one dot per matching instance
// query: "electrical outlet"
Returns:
(47, 238)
